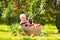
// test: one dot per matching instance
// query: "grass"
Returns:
(4, 28)
(49, 29)
(8, 36)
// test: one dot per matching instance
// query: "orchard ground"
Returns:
(49, 32)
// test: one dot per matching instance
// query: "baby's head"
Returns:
(22, 17)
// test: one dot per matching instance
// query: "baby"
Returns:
(23, 22)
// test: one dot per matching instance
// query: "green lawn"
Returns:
(9, 36)
(50, 30)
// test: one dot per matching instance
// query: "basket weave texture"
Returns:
(32, 30)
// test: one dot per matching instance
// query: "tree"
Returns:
(43, 11)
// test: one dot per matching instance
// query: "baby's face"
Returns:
(23, 18)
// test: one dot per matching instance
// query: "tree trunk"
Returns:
(58, 22)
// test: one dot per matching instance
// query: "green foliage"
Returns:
(42, 11)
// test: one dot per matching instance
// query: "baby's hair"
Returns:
(22, 15)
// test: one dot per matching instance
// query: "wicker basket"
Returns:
(32, 30)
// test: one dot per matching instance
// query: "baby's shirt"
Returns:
(23, 24)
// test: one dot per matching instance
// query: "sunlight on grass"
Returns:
(48, 28)
(4, 27)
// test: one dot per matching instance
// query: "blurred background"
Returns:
(45, 12)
